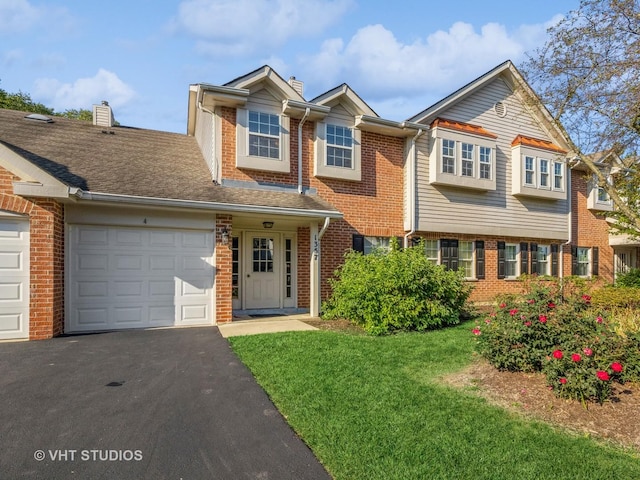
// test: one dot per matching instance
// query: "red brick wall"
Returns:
(589, 228)
(304, 249)
(223, 270)
(46, 229)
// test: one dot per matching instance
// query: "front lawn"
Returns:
(373, 408)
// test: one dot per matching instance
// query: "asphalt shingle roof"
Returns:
(131, 161)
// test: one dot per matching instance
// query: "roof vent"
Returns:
(500, 109)
(39, 118)
(103, 115)
(297, 85)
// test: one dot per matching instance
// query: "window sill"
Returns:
(263, 163)
(471, 183)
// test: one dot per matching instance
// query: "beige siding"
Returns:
(204, 137)
(263, 100)
(455, 210)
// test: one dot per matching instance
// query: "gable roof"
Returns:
(516, 82)
(147, 165)
(266, 73)
(347, 96)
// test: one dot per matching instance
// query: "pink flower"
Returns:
(557, 354)
(527, 324)
(586, 298)
(551, 305)
(542, 318)
(531, 301)
(588, 352)
(563, 380)
(503, 305)
(492, 314)
(513, 311)
(599, 319)
(487, 321)
(576, 357)
(604, 376)
(476, 331)
(616, 367)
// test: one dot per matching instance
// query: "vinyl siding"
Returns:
(204, 137)
(450, 209)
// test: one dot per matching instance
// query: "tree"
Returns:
(588, 75)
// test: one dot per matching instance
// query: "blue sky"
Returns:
(142, 55)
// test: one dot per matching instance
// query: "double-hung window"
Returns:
(264, 135)
(544, 173)
(558, 176)
(448, 156)
(467, 160)
(529, 171)
(465, 258)
(485, 163)
(431, 250)
(603, 196)
(538, 169)
(582, 262)
(372, 244)
(511, 260)
(542, 259)
(339, 146)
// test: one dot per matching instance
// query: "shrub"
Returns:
(618, 296)
(396, 291)
(571, 341)
(629, 279)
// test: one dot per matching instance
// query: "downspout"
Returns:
(570, 221)
(327, 220)
(307, 111)
(413, 187)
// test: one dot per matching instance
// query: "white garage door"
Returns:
(123, 277)
(14, 278)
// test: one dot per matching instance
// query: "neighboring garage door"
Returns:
(124, 277)
(14, 278)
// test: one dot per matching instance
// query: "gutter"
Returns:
(307, 111)
(196, 204)
(413, 187)
(569, 218)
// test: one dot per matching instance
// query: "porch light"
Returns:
(225, 236)
(267, 224)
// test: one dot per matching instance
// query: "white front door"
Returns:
(14, 278)
(262, 270)
(625, 260)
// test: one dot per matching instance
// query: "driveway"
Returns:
(157, 404)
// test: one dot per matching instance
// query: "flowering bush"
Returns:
(564, 336)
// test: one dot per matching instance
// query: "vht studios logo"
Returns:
(88, 455)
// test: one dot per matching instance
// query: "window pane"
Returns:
(467, 160)
(431, 250)
(510, 260)
(465, 258)
(339, 146)
(543, 260)
(485, 163)
(264, 135)
(448, 156)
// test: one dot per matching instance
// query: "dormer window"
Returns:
(462, 155)
(339, 146)
(262, 139)
(598, 198)
(264, 135)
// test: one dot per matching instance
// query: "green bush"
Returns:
(629, 279)
(565, 336)
(399, 290)
(618, 296)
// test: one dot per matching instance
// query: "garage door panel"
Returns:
(87, 236)
(14, 278)
(152, 278)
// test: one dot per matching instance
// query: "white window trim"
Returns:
(548, 262)
(516, 260)
(518, 186)
(244, 160)
(589, 261)
(593, 200)
(438, 177)
(472, 260)
(320, 167)
(548, 173)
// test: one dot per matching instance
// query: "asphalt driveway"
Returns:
(157, 404)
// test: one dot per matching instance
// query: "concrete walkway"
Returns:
(252, 326)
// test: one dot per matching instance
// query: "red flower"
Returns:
(527, 324)
(551, 305)
(542, 318)
(576, 357)
(586, 298)
(476, 331)
(557, 354)
(513, 311)
(563, 380)
(604, 376)
(503, 305)
(616, 367)
(599, 319)
(588, 352)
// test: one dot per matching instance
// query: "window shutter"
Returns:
(500, 259)
(554, 260)
(480, 259)
(524, 258)
(534, 258)
(400, 242)
(574, 260)
(449, 253)
(358, 243)
(595, 261)
(415, 241)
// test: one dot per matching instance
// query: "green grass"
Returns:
(372, 408)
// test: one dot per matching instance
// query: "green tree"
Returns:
(81, 114)
(23, 102)
(588, 75)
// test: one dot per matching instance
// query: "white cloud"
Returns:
(18, 16)
(382, 68)
(237, 27)
(84, 92)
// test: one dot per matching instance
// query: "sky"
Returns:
(141, 55)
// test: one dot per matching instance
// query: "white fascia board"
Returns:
(385, 127)
(37, 189)
(27, 171)
(214, 206)
(295, 109)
